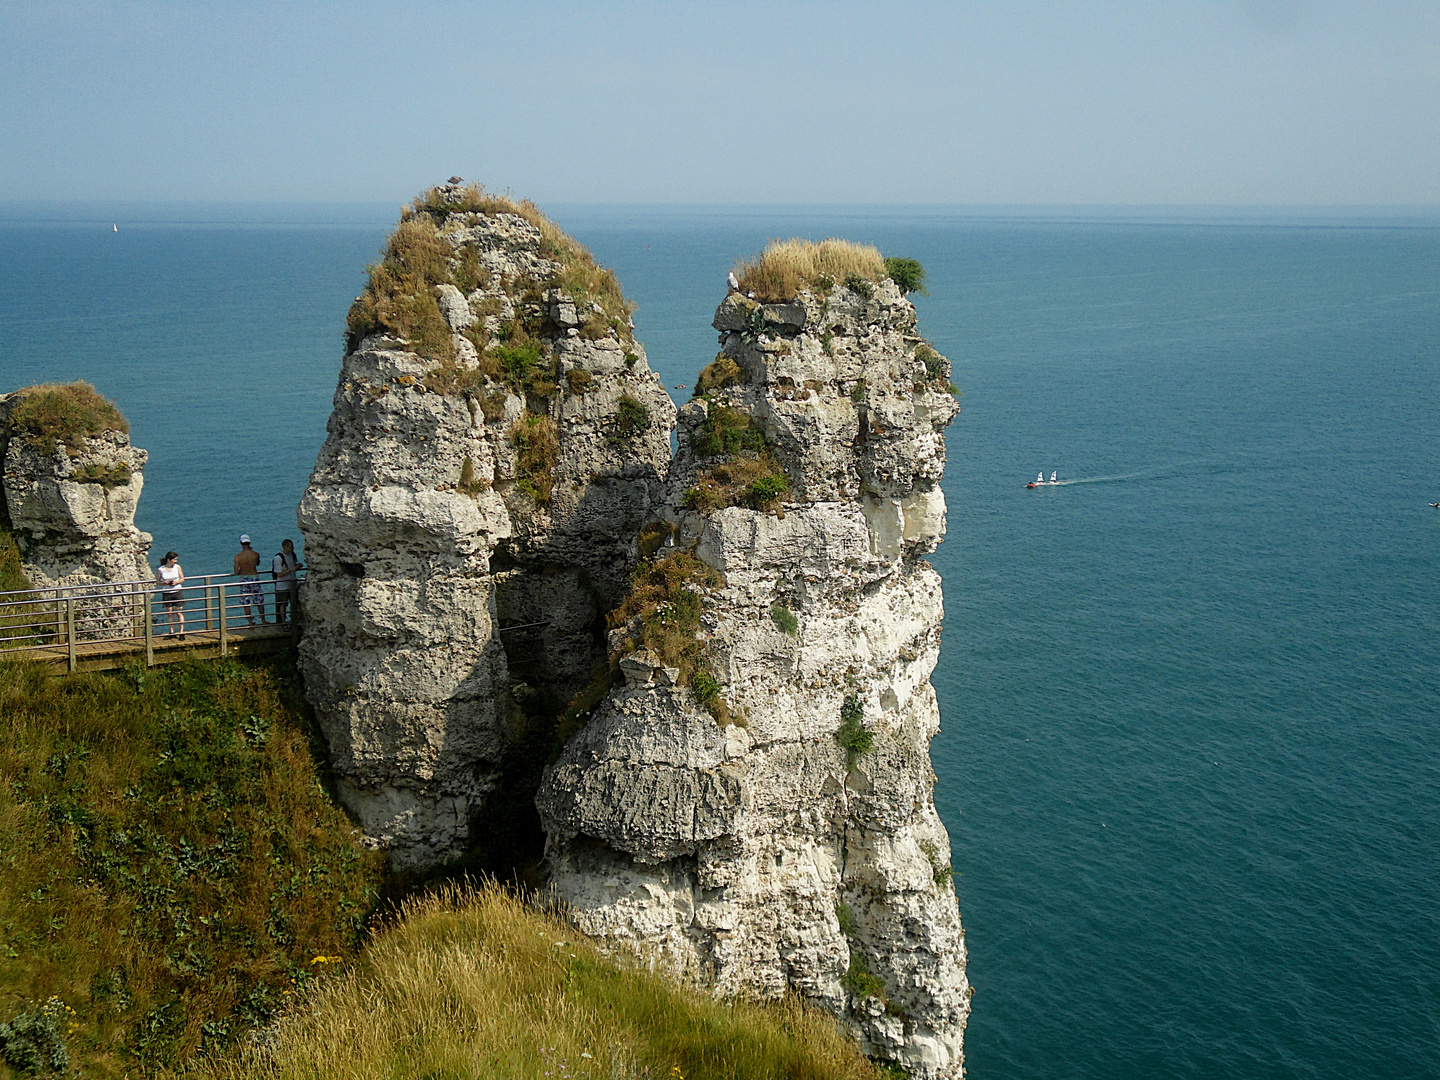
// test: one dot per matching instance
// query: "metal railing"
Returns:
(69, 620)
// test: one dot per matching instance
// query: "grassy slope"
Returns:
(172, 870)
(169, 865)
(477, 985)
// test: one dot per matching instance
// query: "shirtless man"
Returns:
(247, 562)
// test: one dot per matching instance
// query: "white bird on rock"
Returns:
(733, 281)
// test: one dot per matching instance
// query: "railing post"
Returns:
(224, 634)
(70, 630)
(208, 600)
(148, 604)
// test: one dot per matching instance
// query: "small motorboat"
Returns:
(1040, 480)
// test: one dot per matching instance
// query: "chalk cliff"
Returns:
(724, 658)
(71, 483)
(759, 810)
(497, 441)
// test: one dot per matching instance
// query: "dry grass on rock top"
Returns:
(54, 414)
(785, 267)
(400, 298)
(475, 985)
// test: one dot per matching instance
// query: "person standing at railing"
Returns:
(170, 577)
(287, 585)
(247, 563)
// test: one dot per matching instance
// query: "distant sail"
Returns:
(115, 227)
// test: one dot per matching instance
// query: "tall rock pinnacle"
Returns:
(753, 798)
(496, 442)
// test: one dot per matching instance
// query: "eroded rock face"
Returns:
(70, 503)
(762, 854)
(452, 500)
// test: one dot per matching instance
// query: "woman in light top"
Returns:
(170, 577)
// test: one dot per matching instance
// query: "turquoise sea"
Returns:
(1190, 760)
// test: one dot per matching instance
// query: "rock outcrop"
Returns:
(497, 441)
(71, 482)
(760, 811)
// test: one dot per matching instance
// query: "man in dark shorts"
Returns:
(287, 585)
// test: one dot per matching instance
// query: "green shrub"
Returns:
(653, 536)
(34, 1041)
(706, 688)
(579, 380)
(784, 619)
(399, 297)
(851, 733)
(860, 286)
(846, 918)
(632, 417)
(518, 361)
(734, 481)
(12, 569)
(764, 493)
(941, 875)
(52, 414)
(726, 430)
(937, 367)
(859, 981)
(908, 274)
(631, 359)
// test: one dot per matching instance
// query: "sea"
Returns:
(1190, 694)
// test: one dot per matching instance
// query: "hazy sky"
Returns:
(1225, 101)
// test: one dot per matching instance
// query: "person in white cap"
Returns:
(246, 565)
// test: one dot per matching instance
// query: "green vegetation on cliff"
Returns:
(52, 414)
(478, 985)
(428, 249)
(170, 866)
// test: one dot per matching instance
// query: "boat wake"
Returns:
(1143, 474)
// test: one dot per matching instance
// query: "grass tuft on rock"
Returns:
(476, 985)
(56, 414)
(718, 374)
(785, 267)
(851, 734)
(537, 448)
(749, 474)
(399, 297)
(429, 248)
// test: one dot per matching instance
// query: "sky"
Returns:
(1164, 102)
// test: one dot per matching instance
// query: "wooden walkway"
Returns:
(246, 641)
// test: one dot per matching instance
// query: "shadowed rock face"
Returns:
(71, 506)
(760, 854)
(424, 539)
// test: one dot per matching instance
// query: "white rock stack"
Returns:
(795, 845)
(488, 474)
(71, 483)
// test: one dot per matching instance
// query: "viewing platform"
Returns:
(110, 625)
